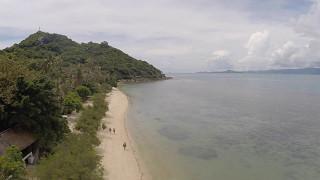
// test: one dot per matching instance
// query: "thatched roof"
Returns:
(18, 138)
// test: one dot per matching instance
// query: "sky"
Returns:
(180, 35)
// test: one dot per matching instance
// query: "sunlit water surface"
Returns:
(228, 126)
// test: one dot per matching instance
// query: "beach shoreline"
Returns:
(118, 163)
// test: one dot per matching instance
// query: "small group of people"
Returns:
(124, 145)
(113, 129)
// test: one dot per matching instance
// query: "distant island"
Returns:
(275, 71)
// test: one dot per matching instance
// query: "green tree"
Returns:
(11, 164)
(74, 159)
(71, 102)
(37, 109)
(83, 92)
(28, 101)
(9, 73)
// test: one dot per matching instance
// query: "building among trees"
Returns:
(24, 141)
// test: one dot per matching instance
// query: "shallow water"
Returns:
(228, 126)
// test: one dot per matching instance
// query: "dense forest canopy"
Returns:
(58, 55)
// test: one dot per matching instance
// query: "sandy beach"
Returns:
(118, 163)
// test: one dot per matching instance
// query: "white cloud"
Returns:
(175, 35)
(309, 24)
(294, 55)
(304, 52)
(288, 55)
(258, 43)
(220, 61)
(220, 53)
(298, 51)
(257, 46)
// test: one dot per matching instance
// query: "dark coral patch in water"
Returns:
(158, 119)
(174, 133)
(199, 152)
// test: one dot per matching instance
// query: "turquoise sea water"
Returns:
(228, 126)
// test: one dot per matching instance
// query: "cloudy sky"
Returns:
(180, 35)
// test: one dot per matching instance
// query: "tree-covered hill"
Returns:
(73, 64)
(43, 45)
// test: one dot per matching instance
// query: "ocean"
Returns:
(228, 126)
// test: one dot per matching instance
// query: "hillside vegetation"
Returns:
(72, 64)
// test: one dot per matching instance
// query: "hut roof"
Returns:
(18, 138)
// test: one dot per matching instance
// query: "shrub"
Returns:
(11, 164)
(71, 102)
(75, 158)
(90, 119)
(83, 92)
(104, 126)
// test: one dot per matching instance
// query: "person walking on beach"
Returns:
(110, 130)
(114, 131)
(124, 146)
